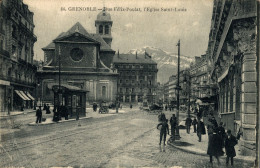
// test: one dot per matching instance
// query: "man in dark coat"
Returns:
(215, 146)
(161, 117)
(194, 123)
(39, 115)
(163, 131)
(221, 132)
(188, 124)
(173, 122)
(230, 143)
(95, 107)
(201, 129)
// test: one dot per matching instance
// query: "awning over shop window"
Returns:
(30, 96)
(24, 95)
(20, 94)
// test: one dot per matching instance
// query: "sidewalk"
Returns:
(14, 113)
(89, 114)
(190, 144)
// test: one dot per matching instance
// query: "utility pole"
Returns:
(177, 135)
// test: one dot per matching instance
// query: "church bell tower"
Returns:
(103, 26)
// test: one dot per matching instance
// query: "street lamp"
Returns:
(178, 88)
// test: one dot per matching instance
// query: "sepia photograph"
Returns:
(133, 83)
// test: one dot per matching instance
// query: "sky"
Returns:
(130, 29)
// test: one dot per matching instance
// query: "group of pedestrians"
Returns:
(198, 127)
(218, 139)
(164, 127)
(59, 112)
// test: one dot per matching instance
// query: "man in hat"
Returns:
(39, 115)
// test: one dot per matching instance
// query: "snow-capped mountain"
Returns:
(166, 61)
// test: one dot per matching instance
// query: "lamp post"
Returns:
(177, 135)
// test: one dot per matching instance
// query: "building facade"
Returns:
(17, 75)
(84, 59)
(137, 80)
(232, 54)
(202, 86)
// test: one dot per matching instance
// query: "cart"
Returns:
(104, 107)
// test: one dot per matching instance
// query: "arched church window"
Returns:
(100, 29)
(104, 90)
(106, 29)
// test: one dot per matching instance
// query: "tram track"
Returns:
(75, 130)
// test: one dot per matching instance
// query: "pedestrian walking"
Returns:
(55, 114)
(173, 122)
(215, 146)
(166, 107)
(44, 106)
(48, 109)
(131, 106)
(230, 143)
(94, 107)
(164, 129)
(200, 129)
(39, 115)
(194, 123)
(221, 132)
(161, 117)
(188, 124)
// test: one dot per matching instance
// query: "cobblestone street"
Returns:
(123, 140)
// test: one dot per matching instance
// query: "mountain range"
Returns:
(166, 61)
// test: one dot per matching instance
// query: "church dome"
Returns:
(103, 16)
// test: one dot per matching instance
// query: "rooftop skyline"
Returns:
(149, 24)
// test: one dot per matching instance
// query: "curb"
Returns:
(202, 154)
(22, 113)
(185, 150)
(59, 122)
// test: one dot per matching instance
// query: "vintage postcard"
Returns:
(113, 83)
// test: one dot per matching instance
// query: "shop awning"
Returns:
(19, 93)
(24, 95)
(30, 96)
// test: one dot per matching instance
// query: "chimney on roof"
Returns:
(136, 55)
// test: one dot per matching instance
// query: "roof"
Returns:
(104, 46)
(76, 28)
(131, 58)
(80, 29)
(103, 16)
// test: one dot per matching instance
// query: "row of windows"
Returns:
(134, 81)
(133, 73)
(132, 90)
(136, 66)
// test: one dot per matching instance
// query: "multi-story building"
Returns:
(166, 93)
(232, 55)
(137, 78)
(184, 84)
(17, 75)
(202, 86)
(84, 60)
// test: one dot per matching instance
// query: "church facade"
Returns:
(79, 59)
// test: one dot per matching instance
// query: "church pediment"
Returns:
(76, 37)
